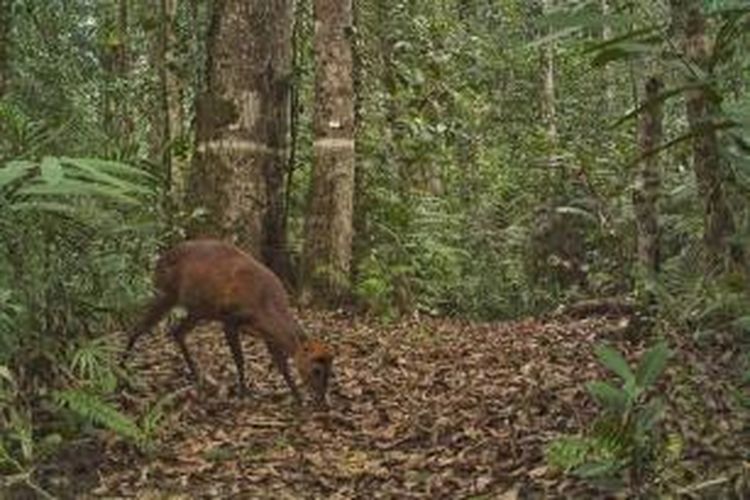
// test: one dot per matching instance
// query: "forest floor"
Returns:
(429, 408)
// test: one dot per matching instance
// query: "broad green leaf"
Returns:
(52, 171)
(623, 51)
(609, 397)
(75, 187)
(612, 359)
(15, 170)
(112, 167)
(630, 35)
(96, 172)
(651, 365)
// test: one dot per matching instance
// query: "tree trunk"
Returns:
(646, 185)
(242, 125)
(276, 130)
(609, 74)
(701, 107)
(328, 228)
(115, 61)
(159, 135)
(548, 101)
(5, 24)
(124, 121)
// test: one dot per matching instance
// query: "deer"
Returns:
(216, 281)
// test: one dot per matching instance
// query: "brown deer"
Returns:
(216, 281)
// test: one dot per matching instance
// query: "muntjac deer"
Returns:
(217, 281)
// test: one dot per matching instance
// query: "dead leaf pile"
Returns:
(425, 408)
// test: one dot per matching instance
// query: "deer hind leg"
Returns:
(281, 362)
(156, 310)
(232, 335)
(178, 333)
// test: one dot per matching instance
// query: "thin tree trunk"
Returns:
(242, 126)
(173, 89)
(548, 100)
(125, 123)
(646, 185)
(5, 25)
(609, 74)
(701, 108)
(159, 115)
(328, 228)
(115, 61)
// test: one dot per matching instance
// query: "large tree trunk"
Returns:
(5, 23)
(242, 127)
(328, 228)
(646, 185)
(719, 224)
(276, 117)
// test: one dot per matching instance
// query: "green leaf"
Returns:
(94, 409)
(622, 51)
(52, 171)
(97, 171)
(612, 359)
(75, 187)
(609, 397)
(649, 414)
(630, 35)
(651, 365)
(107, 166)
(15, 170)
(567, 452)
(595, 469)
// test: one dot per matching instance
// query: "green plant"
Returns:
(624, 437)
(90, 396)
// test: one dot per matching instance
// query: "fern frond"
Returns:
(96, 411)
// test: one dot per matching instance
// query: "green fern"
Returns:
(94, 410)
(92, 362)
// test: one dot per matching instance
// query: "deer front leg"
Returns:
(281, 362)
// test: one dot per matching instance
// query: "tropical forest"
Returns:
(476, 249)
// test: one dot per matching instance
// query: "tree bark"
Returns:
(242, 126)
(328, 228)
(116, 62)
(276, 117)
(701, 108)
(5, 24)
(609, 74)
(548, 101)
(159, 135)
(125, 125)
(646, 185)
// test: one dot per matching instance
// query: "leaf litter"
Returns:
(423, 408)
